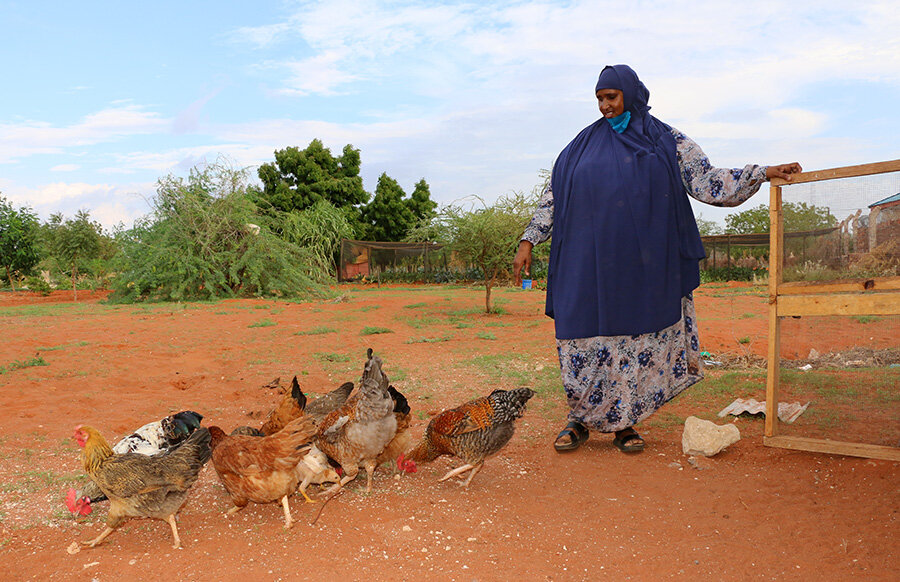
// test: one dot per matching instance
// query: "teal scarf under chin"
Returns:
(620, 123)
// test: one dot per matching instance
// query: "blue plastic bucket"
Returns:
(526, 283)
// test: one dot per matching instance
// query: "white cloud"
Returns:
(65, 168)
(19, 140)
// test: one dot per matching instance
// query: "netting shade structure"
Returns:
(361, 258)
(877, 295)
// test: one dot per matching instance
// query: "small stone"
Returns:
(471, 539)
(74, 548)
(813, 354)
(406, 528)
(705, 438)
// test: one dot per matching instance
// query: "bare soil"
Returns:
(749, 513)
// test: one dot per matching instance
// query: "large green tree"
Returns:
(300, 178)
(420, 203)
(206, 239)
(18, 239)
(388, 217)
(798, 216)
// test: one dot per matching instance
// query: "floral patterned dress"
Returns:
(614, 382)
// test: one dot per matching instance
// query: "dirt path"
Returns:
(749, 513)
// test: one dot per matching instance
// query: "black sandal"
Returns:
(577, 433)
(628, 441)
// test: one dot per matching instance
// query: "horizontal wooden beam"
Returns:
(844, 172)
(843, 286)
(839, 304)
(833, 447)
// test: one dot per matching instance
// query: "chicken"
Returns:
(402, 439)
(139, 485)
(290, 407)
(269, 468)
(151, 439)
(355, 434)
(473, 432)
(328, 403)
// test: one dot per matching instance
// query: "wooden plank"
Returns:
(839, 304)
(844, 172)
(842, 286)
(833, 447)
(776, 231)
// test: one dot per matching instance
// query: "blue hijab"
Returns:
(625, 245)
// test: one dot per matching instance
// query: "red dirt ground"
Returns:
(749, 513)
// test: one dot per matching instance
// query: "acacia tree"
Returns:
(486, 236)
(18, 239)
(798, 216)
(76, 240)
(387, 217)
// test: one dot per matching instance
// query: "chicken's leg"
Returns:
(472, 474)
(99, 538)
(370, 470)
(288, 522)
(456, 471)
(171, 520)
(234, 510)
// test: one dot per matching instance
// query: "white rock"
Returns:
(702, 437)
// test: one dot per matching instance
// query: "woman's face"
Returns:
(611, 101)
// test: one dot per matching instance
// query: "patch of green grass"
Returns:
(62, 346)
(263, 323)
(866, 318)
(369, 308)
(374, 330)
(19, 364)
(420, 322)
(415, 305)
(664, 420)
(497, 324)
(429, 340)
(519, 371)
(331, 357)
(749, 315)
(744, 340)
(464, 324)
(485, 335)
(319, 330)
(262, 307)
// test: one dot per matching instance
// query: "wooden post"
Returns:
(776, 250)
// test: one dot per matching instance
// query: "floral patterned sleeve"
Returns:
(716, 186)
(538, 230)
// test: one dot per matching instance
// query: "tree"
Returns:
(708, 227)
(486, 236)
(388, 217)
(76, 240)
(798, 216)
(300, 178)
(18, 239)
(206, 239)
(420, 203)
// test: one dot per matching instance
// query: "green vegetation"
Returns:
(318, 330)
(18, 365)
(485, 335)
(263, 323)
(19, 231)
(371, 330)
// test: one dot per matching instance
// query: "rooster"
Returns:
(151, 439)
(270, 468)
(473, 432)
(355, 434)
(141, 486)
(290, 407)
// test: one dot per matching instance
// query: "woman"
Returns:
(625, 259)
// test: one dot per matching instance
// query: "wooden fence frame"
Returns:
(879, 296)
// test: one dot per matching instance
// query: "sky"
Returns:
(101, 99)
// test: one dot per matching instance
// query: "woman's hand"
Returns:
(783, 171)
(522, 261)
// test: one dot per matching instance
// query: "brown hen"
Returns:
(473, 432)
(270, 468)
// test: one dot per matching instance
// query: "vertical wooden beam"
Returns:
(776, 251)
